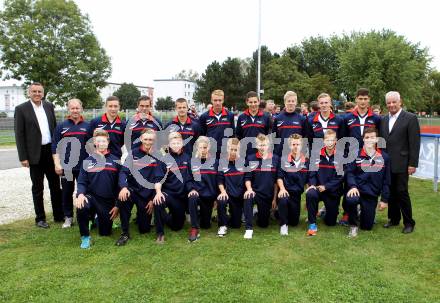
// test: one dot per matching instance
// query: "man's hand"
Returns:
(411, 170)
(159, 198)
(114, 212)
(79, 202)
(149, 207)
(321, 188)
(124, 194)
(58, 169)
(274, 203)
(25, 163)
(249, 194)
(283, 193)
(354, 192)
(382, 206)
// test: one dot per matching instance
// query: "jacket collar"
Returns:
(259, 113)
(260, 156)
(224, 112)
(81, 119)
(369, 112)
(105, 119)
(176, 120)
(316, 117)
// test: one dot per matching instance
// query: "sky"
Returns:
(149, 40)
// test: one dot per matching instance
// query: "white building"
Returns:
(175, 89)
(111, 87)
(12, 94)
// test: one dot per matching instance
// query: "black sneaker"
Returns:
(122, 240)
(42, 224)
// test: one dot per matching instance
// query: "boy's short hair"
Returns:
(329, 132)
(294, 137)
(100, 133)
(181, 100)
(174, 135)
(362, 92)
(251, 94)
(290, 94)
(111, 98)
(323, 95)
(143, 98)
(218, 92)
(375, 106)
(369, 130)
(233, 141)
(262, 137)
(148, 131)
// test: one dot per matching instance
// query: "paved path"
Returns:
(16, 197)
(9, 158)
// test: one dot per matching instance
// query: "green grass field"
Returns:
(379, 266)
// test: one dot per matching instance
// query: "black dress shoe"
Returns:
(408, 229)
(42, 224)
(390, 224)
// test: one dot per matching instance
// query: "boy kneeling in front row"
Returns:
(367, 177)
(97, 189)
(292, 177)
(325, 185)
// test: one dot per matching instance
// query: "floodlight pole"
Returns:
(259, 51)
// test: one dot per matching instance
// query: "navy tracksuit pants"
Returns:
(175, 217)
(67, 189)
(331, 202)
(368, 211)
(206, 205)
(143, 219)
(99, 206)
(264, 206)
(289, 209)
(235, 211)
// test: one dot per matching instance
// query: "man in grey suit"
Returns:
(34, 123)
(401, 131)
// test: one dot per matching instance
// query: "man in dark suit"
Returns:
(401, 131)
(34, 123)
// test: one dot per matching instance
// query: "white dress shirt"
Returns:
(393, 119)
(42, 122)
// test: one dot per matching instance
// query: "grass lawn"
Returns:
(379, 266)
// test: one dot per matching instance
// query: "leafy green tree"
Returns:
(165, 103)
(128, 95)
(431, 92)
(51, 42)
(251, 72)
(384, 61)
(211, 79)
(187, 75)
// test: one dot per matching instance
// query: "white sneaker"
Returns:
(284, 230)
(222, 231)
(353, 232)
(248, 234)
(68, 222)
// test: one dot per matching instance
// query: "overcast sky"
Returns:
(149, 40)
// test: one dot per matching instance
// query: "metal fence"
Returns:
(7, 136)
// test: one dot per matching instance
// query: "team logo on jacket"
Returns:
(351, 121)
(243, 122)
(83, 129)
(65, 129)
(209, 121)
(280, 123)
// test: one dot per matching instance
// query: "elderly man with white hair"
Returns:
(401, 131)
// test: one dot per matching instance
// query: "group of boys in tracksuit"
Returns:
(179, 184)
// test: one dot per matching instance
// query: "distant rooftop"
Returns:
(175, 80)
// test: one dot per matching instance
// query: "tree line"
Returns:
(339, 65)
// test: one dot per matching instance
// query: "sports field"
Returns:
(379, 266)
